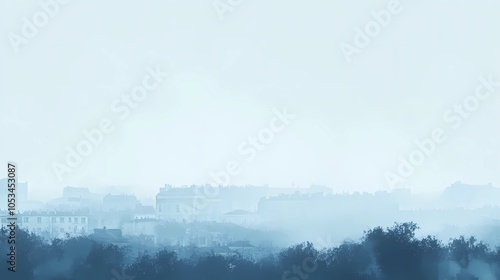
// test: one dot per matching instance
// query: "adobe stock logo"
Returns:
(122, 276)
(249, 149)
(222, 7)
(123, 107)
(309, 266)
(363, 37)
(40, 19)
(455, 118)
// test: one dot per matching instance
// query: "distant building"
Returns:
(186, 204)
(120, 202)
(461, 195)
(181, 203)
(74, 199)
(242, 218)
(317, 210)
(53, 224)
(109, 219)
(144, 212)
(141, 227)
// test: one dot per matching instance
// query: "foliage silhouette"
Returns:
(382, 254)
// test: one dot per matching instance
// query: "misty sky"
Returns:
(353, 120)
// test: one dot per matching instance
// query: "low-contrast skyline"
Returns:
(358, 100)
(233, 139)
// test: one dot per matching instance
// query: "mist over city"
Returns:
(233, 139)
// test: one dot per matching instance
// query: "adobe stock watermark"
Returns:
(455, 118)
(122, 108)
(364, 36)
(249, 150)
(222, 7)
(304, 271)
(31, 26)
(325, 242)
(122, 276)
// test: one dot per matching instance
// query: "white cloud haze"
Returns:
(227, 76)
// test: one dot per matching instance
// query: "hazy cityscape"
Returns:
(287, 215)
(232, 139)
(194, 224)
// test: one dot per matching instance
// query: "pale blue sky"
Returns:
(353, 120)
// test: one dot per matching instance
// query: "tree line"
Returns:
(393, 253)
